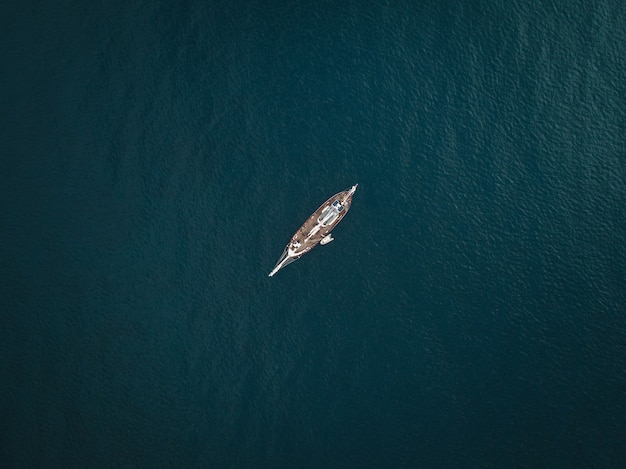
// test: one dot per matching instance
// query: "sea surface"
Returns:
(156, 157)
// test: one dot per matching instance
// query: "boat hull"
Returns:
(316, 227)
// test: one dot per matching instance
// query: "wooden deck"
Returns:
(304, 235)
(311, 233)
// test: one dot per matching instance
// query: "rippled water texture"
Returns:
(157, 156)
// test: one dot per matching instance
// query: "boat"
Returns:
(316, 229)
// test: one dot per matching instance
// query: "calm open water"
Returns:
(155, 158)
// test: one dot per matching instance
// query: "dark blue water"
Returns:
(155, 157)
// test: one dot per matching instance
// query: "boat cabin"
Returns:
(330, 213)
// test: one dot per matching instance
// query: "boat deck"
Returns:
(312, 231)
